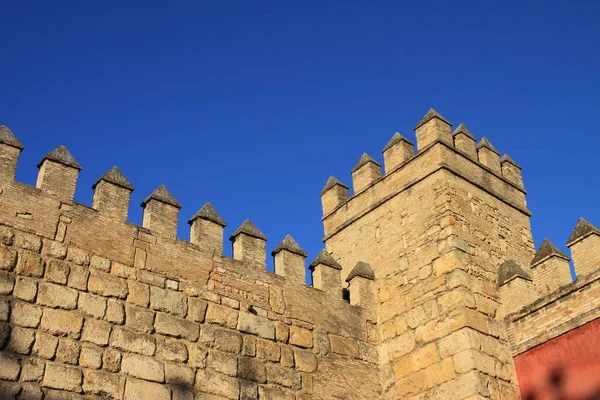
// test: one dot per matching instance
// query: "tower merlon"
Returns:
(488, 155)
(432, 128)
(161, 212)
(58, 173)
(361, 285)
(365, 173)
(515, 287)
(10, 149)
(111, 194)
(550, 268)
(206, 229)
(398, 150)
(334, 194)
(326, 273)
(290, 260)
(250, 245)
(511, 170)
(465, 141)
(584, 244)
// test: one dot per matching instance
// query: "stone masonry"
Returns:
(428, 286)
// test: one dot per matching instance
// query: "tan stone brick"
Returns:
(78, 277)
(4, 310)
(287, 356)
(26, 315)
(344, 346)
(468, 360)
(197, 309)
(458, 341)
(94, 306)
(107, 285)
(305, 360)
(224, 363)
(252, 369)
(59, 376)
(218, 384)
(139, 293)
(440, 372)
(29, 264)
(301, 337)
(90, 357)
(412, 384)
(402, 367)
(197, 355)
(8, 258)
(99, 263)
(247, 323)
(283, 376)
(151, 279)
(25, 288)
(268, 350)
(179, 375)
(142, 367)
(424, 356)
(28, 241)
(9, 367)
(103, 383)
(466, 385)
(53, 249)
(282, 331)
(248, 345)
(33, 370)
(111, 360)
(139, 319)
(57, 271)
(78, 256)
(171, 350)
(168, 301)
(68, 351)
(122, 270)
(6, 235)
(169, 325)
(21, 340)
(469, 318)
(45, 345)
(56, 296)
(136, 390)
(275, 393)
(322, 345)
(115, 311)
(228, 341)
(128, 340)
(95, 331)
(7, 283)
(231, 303)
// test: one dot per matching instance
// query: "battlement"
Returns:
(438, 149)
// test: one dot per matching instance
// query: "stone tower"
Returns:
(434, 228)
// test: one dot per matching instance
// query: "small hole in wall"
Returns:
(346, 295)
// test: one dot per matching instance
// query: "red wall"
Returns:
(566, 367)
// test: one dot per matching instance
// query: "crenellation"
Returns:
(365, 173)
(161, 211)
(550, 268)
(516, 287)
(511, 170)
(326, 273)
(432, 128)
(58, 174)
(488, 155)
(10, 150)
(289, 260)
(111, 194)
(398, 150)
(334, 194)
(584, 244)
(360, 284)
(206, 230)
(250, 245)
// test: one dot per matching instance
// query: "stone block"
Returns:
(115, 311)
(196, 309)
(282, 331)
(411, 385)
(197, 356)
(78, 256)
(4, 334)
(9, 367)
(68, 351)
(139, 293)
(168, 301)
(139, 319)
(29, 264)
(56, 296)
(122, 271)
(248, 390)
(107, 285)
(6, 235)
(78, 277)
(143, 367)
(268, 350)
(111, 360)
(255, 325)
(57, 376)
(305, 360)
(217, 384)
(424, 356)
(57, 271)
(99, 263)
(53, 249)
(28, 241)
(344, 346)
(7, 283)
(4, 310)
(8, 258)
(92, 305)
(90, 357)
(103, 384)
(284, 376)
(25, 289)
(224, 363)
(171, 350)
(95, 331)
(26, 315)
(21, 340)
(225, 316)
(128, 340)
(139, 390)
(458, 341)
(179, 375)
(248, 345)
(33, 370)
(301, 337)
(45, 345)
(287, 356)
(228, 341)
(252, 369)
(402, 367)
(169, 325)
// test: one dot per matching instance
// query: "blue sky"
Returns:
(252, 105)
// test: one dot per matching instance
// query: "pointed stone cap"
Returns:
(331, 182)
(431, 114)
(61, 155)
(397, 138)
(248, 228)
(163, 195)
(363, 270)
(288, 243)
(116, 177)
(208, 212)
(326, 259)
(505, 158)
(486, 143)
(509, 270)
(582, 229)
(364, 160)
(9, 138)
(462, 128)
(546, 250)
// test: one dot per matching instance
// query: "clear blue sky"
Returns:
(252, 105)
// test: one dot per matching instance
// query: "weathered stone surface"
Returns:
(139, 319)
(224, 363)
(171, 350)
(217, 314)
(68, 351)
(56, 296)
(217, 384)
(256, 325)
(60, 322)
(33, 370)
(115, 311)
(29, 264)
(107, 285)
(111, 360)
(57, 271)
(90, 357)
(169, 325)
(102, 383)
(45, 345)
(128, 340)
(26, 315)
(305, 360)
(21, 340)
(270, 351)
(25, 288)
(9, 367)
(168, 301)
(228, 341)
(59, 376)
(137, 390)
(92, 305)
(301, 337)
(143, 367)
(96, 331)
